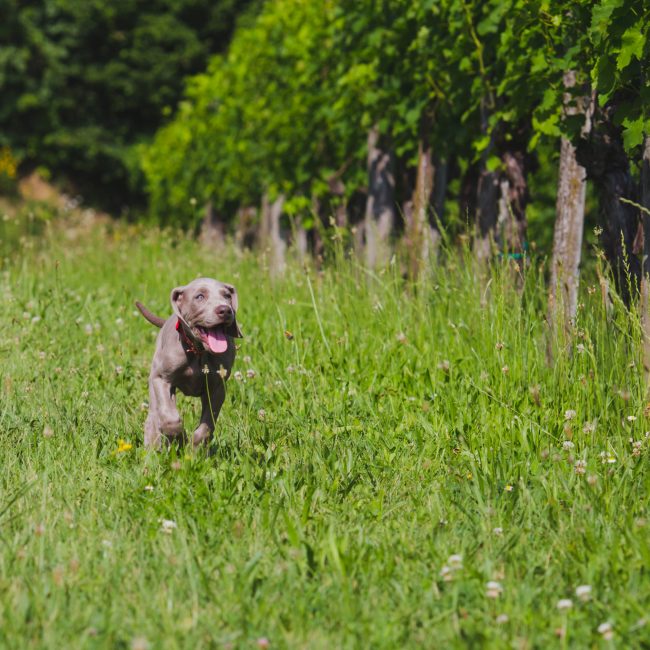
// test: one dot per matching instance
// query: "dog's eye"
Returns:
(199, 297)
(227, 295)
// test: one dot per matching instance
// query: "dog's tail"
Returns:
(152, 318)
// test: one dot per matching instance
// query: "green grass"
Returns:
(401, 426)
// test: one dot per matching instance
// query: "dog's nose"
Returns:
(224, 312)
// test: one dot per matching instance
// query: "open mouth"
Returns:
(213, 338)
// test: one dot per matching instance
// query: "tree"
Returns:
(83, 82)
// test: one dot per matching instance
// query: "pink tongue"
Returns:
(217, 341)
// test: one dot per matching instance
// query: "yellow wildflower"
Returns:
(8, 164)
(122, 446)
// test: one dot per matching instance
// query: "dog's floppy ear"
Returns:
(233, 329)
(234, 301)
(176, 299)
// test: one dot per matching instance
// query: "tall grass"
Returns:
(376, 431)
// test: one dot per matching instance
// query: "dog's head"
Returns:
(208, 309)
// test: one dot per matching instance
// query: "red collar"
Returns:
(189, 345)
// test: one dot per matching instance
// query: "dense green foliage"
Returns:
(398, 429)
(82, 82)
(291, 103)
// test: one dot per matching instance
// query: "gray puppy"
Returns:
(194, 353)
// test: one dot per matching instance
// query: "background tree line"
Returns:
(382, 122)
(385, 117)
(83, 83)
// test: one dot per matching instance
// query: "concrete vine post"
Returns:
(569, 226)
(380, 205)
(271, 234)
(419, 233)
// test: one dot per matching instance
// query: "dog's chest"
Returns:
(200, 374)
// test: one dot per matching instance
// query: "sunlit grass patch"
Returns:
(395, 466)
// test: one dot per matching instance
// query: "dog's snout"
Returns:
(224, 312)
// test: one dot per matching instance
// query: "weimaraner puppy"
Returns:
(194, 353)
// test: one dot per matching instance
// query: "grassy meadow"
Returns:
(395, 467)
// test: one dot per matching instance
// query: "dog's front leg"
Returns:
(163, 415)
(211, 403)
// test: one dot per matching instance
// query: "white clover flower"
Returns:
(455, 561)
(502, 619)
(631, 418)
(567, 445)
(148, 488)
(261, 415)
(607, 457)
(88, 328)
(446, 574)
(564, 603)
(498, 531)
(607, 630)
(238, 376)
(583, 592)
(580, 466)
(250, 373)
(493, 589)
(222, 372)
(167, 526)
(589, 427)
(140, 643)
(569, 415)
